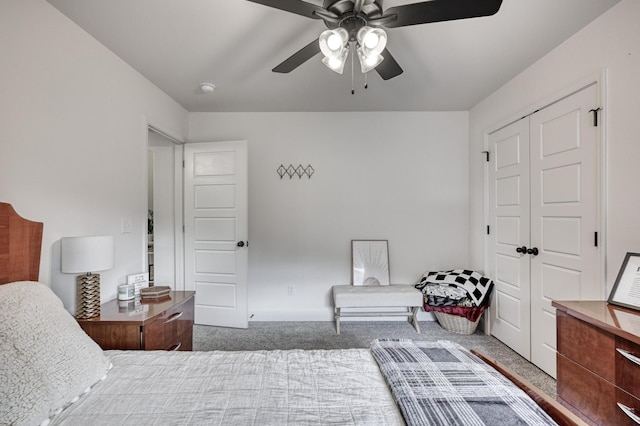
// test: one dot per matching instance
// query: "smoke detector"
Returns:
(207, 87)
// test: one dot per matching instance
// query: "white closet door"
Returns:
(509, 231)
(564, 212)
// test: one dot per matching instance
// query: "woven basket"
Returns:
(457, 324)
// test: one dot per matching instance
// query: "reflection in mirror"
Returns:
(161, 242)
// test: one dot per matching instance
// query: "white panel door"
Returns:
(507, 264)
(564, 212)
(543, 210)
(215, 214)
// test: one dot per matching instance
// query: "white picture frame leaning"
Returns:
(138, 281)
(626, 289)
(370, 262)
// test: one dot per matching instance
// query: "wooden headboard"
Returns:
(20, 245)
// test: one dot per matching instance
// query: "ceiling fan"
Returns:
(361, 23)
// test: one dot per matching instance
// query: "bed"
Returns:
(51, 372)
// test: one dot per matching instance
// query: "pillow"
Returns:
(46, 360)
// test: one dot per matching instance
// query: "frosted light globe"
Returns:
(334, 42)
(371, 40)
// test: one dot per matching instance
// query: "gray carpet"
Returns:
(357, 334)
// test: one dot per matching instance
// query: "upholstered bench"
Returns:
(380, 296)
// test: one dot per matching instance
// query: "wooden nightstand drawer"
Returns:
(577, 335)
(598, 361)
(588, 393)
(625, 403)
(627, 367)
(113, 336)
(593, 397)
(170, 331)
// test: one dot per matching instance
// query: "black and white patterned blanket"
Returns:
(442, 383)
(441, 287)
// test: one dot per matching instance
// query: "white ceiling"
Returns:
(448, 66)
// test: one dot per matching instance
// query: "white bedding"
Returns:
(293, 387)
(52, 372)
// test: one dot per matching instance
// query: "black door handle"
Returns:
(533, 251)
(240, 244)
(522, 249)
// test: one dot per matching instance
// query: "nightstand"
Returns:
(163, 324)
(598, 365)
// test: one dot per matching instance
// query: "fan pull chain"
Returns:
(353, 91)
(366, 85)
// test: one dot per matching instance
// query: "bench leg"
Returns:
(337, 318)
(415, 310)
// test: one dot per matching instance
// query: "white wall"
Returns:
(395, 176)
(73, 155)
(73, 138)
(613, 42)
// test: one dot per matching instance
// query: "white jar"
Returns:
(126, 292)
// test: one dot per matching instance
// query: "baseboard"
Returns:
(322, 315)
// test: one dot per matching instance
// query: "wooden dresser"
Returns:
(164, 324)
(599, 361)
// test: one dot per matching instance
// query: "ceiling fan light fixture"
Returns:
(368, 62)
(335, 63)
(372, 40)
(362, 23)
(333, 42)
(333, 45)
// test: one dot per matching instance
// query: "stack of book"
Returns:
(155, 292)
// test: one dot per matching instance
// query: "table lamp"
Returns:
(87, 255)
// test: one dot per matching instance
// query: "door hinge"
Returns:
(488, 230)
(595, 116)
(595, 239)
(183, 164)
(486, 153)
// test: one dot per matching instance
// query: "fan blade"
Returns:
(298, 58)
(298, 7)
(327, 16)
(382, 21)
(441, 10)
(389, 68)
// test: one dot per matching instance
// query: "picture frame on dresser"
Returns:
(626, 289)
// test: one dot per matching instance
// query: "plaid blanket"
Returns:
(441, 383)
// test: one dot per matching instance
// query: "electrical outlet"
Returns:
(292, 290)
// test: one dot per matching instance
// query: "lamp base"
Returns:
(88, 296)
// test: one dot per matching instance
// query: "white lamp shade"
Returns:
(86, 254)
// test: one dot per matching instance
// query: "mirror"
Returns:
(161, 223)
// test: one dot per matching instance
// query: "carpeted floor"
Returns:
(357, 334)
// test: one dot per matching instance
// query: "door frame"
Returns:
(600, 79)
(178, 226)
